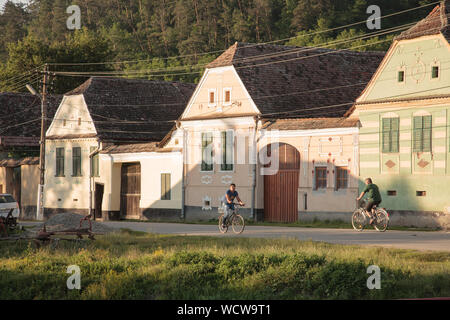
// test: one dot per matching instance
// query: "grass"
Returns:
(315, 223)
(135, 265)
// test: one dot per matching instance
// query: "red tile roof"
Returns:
(436, 22)
(310, 123)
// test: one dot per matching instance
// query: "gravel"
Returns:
(63, 221)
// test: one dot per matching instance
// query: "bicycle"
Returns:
(236, 221)
(360, 218)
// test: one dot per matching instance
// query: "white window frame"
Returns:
(225, 103)
(435, 63)
(215, 98)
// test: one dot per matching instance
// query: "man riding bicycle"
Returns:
(229, 202)
(373, 198)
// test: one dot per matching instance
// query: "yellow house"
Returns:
(102, 151)
(271, 120)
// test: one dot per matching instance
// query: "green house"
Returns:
(405, 118)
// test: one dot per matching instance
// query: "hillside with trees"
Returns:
(167, 39)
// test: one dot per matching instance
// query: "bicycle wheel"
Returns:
(382, 220)
(359, 220)
(221, 229)
(238, 224)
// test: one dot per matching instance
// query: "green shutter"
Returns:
(165, 186)
(426, 135)
(417, 134)
(395, 126)
(385, 134)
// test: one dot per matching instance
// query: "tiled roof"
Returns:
(18, 110)
(12, 163)
(286, 81)
(436, 22)
(136, 148)
(134, 110)
(310, 123)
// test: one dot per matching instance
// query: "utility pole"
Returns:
(40, 206)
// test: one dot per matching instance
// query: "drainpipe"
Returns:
(254, 165)
(91, 176)
(183, 179)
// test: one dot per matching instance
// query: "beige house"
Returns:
(271, 119)
(20, 178)
(103, 154)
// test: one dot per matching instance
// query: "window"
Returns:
(422, 134)
(79, 121)
(435, 72)
(401, 76)
(321, 177)
(207, 151)
(390, 134)
(421, 193)
(227, 96)
(212, 97)
(95, 169)
(165, 186)
(392, 193)
(76, 162)
(341, 178)
(227, 150)
(60, 162)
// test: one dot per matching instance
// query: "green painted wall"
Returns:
(416, 59)
(407, 172)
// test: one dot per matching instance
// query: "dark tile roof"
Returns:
(310, 123)
(436, 22)
(286, 81)
(12, 163)
(136, 148)
(134, 110)
(20, 118)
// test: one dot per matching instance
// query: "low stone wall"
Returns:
(197, 214)
(417, 219)
(155, 214)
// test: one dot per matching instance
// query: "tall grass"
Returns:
(130, 265)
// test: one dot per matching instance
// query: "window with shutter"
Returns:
(422, 133)
(227, 151)
(165, 186)
(76, 162)
(95, 170)
(207, 152)
(60, 162)
(390, 135)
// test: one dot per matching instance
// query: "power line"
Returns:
(149, 72)
(251, 45)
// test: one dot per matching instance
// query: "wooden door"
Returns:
(98, 199)
(130, 191)
(281, 189)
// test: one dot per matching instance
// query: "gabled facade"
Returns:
(102, 151)
(405, 120)
(278, 104)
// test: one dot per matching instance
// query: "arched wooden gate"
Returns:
(281, 189)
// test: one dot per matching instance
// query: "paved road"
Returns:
(419, 240)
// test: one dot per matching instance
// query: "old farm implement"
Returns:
(44, 237)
